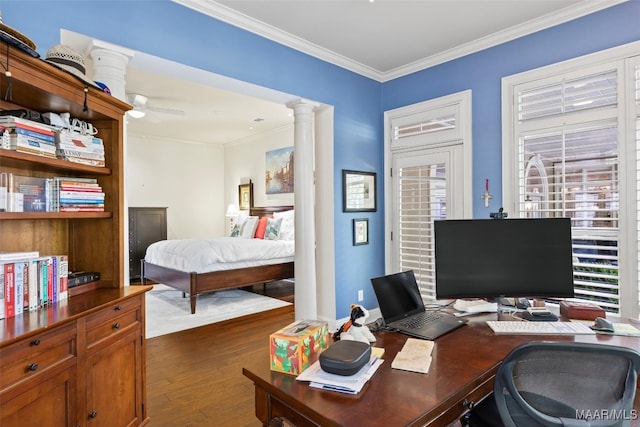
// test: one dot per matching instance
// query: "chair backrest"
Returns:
(567, 384)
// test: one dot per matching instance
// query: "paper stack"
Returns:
(415, 356)
(351, 384)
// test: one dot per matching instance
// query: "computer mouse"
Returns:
(603, 325)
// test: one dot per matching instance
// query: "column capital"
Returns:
(303, 105)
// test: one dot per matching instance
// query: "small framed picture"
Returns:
(360, 231)
(245, 196)
(358, 191)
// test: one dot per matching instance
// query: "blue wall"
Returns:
(482, 73)
(168, 30)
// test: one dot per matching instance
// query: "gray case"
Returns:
(345, 357)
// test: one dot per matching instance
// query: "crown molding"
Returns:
(232, 17)
(240, 20)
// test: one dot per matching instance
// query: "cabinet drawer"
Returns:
(113, 320)
(34, 356)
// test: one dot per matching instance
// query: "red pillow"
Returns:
(261, 228)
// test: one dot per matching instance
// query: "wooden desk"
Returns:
(462, 370)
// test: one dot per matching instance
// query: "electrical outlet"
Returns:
(360, 295)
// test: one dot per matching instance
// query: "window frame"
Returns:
(625, 114)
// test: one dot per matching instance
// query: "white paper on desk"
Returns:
(346, 384)
(415, 356)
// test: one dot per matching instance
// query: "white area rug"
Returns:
(167, 311)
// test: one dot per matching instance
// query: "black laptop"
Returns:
(403, 310)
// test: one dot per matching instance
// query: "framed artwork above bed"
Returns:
(245, 196)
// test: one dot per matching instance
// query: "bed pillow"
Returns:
(235, 231)
(287, 226)
(249, 227)
(273, 229)
(261, 228)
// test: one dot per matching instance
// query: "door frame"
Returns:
(462, 102)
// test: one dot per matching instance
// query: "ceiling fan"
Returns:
(141, 107)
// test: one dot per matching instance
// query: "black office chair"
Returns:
(561, 384)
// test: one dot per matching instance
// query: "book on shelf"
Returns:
(13, 121)
(63, 277)
(18, 282)
(9, 290)
(43, 280)
(82, 209)
(33, 147)
(80, 201)
(93, 195)
(49, 273)
(45, 136)
(33, 283)
(84, 190)
(2, 292)
(66, 152)
(81, 144)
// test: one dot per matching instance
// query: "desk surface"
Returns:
(463, 366)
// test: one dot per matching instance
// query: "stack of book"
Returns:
(27, 136)
(78, 148)
(29, 281)
(77, 195)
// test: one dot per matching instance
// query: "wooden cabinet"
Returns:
(39, 376)
(114, 344)
(79, 363)
(146, 226)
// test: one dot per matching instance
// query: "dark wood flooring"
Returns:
(194, 377)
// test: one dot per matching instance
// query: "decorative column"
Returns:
(110, 67)
(304, 200)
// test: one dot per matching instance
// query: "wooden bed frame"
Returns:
(195, 284)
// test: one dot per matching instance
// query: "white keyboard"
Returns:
(539, 328)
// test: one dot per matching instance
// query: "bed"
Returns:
(186, 277)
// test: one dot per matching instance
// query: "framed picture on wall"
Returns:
(245, 196)
(360, 231)
(279, 171)
(358, 191)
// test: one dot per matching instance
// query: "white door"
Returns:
(426, 186)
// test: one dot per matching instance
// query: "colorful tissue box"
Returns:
(295, 347)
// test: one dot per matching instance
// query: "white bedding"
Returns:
(218, 253)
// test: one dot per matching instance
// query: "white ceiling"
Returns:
(383, 39)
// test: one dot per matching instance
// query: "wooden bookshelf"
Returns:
(93, 240)
(83, 359)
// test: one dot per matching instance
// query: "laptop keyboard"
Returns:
(422, 320)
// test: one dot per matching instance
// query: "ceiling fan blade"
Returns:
(166, 111)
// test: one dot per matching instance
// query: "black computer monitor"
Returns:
(492, 258)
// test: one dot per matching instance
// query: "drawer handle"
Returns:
(33, 367)
(93, 414)
(35, 342)
(116, 325)
(118, 308)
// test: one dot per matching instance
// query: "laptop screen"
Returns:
(398, 295)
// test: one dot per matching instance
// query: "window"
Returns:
(568, 152)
